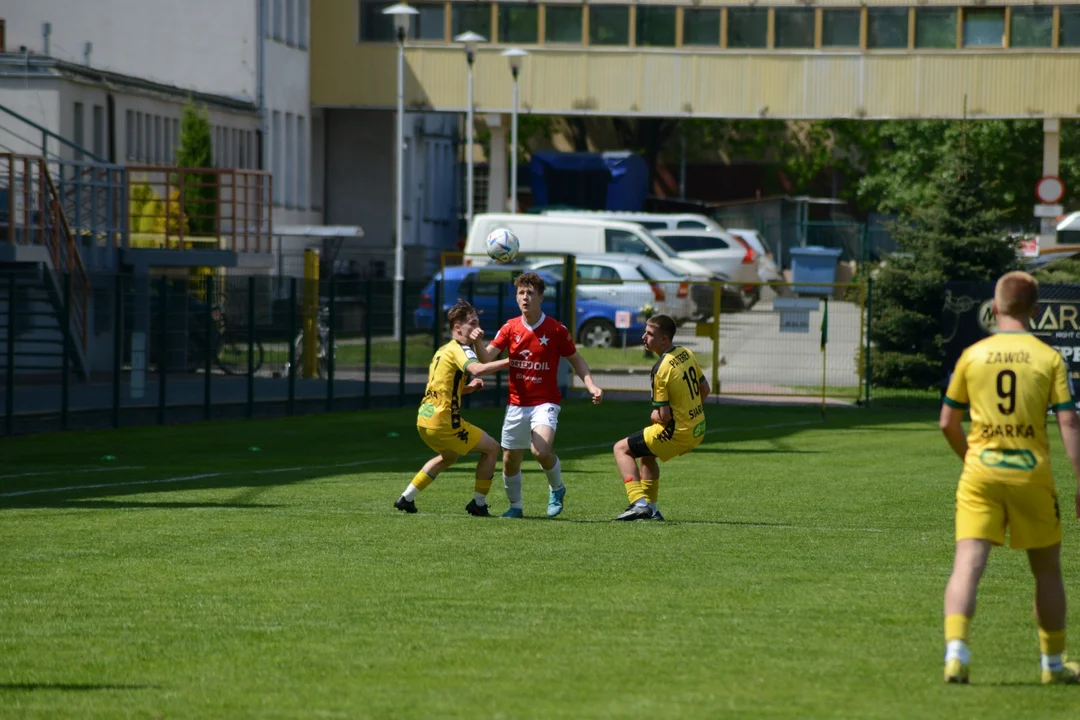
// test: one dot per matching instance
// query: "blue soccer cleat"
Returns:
(513, 513)
(555, 498)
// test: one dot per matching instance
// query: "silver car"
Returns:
(631, 281)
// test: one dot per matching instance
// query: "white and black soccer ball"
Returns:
(502, 245)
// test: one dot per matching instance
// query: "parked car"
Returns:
(724, 254)
(651, 221)
(630, 280)
(768, 267)
(596, 320)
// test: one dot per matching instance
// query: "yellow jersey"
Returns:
(1009, 380)
(675, 378)
(441, 406)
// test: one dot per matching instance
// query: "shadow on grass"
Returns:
(214, 455)
(69, 687)
(122, 505)
(743, 451)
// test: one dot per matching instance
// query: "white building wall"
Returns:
(34, 99)
(206, 45)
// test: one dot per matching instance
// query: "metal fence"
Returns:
(183, 347)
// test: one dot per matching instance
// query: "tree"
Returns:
(955, 233)
(196, 151)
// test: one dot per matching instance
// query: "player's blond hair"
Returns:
(1016, 294)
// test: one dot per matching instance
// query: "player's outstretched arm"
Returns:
(484, 352)
(478, 369)
(1069, 426)
(581, 368)
(703, 388)
(951, 424)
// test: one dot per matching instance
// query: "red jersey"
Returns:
(534, 358)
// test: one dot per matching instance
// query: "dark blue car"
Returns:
(596, 320)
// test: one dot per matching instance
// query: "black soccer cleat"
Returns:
(636, 512)
(656, 515)
(405, 505)
(477, 510)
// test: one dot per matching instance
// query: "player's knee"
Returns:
(621, 448)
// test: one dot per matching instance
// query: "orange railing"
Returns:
(200, 208)
(33, 215)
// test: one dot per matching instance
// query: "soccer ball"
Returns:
(502, 245)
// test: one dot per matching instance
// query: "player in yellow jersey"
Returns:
(439, 420)
(679, 388)
(1009, 380)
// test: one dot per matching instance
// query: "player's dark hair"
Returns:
(460, 313)
(1017, 294)
(664, 324)
(531, 280)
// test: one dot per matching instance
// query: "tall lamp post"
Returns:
(514, 55)
(470, 40)
(402, 14)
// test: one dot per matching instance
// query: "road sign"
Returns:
(1048, 211)
(795, 313)
(1049, 189)
(622, 319)
(1029, 247)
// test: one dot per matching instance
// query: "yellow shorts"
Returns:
(652, 441)
(984, 509)
(461, 441)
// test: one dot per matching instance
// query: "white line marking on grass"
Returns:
(72, 471)
(299, 468)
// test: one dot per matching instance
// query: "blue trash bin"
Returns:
(813, 264)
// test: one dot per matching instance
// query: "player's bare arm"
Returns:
(474, 385)
(661, 415)
(1069, 426)
(703, 388)
(951, 426)
(581, 368)
(478, 369)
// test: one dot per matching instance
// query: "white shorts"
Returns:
(521, 421)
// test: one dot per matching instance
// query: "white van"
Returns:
(579, 235)
(650, 221)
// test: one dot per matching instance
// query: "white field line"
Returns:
(298, 468)
(70, 471)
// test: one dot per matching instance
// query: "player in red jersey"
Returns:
(535, 343)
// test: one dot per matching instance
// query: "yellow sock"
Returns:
(633, 490)
(651, 488)
(482, 486)
(422, 480)
(1051, 642)
(957, 627)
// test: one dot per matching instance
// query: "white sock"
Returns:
(957, 649)
(481, 500)
(512, 483)
(410, 492)
(554, 475)
(1051, 662)
(652, 506)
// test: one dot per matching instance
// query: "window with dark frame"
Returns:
(655, 26)
(841, 27)
(609, 25)
(701, 27)
(935, 28)
(748, 28)
(887, 28)
(563, 24)
(519, 23)
(794, 28)
(1031, 26)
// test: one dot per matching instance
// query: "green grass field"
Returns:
(799, 574)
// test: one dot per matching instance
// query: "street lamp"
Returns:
(470, 40)
(402, 14)
(514, 55)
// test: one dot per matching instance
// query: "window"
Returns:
(935, 28)
(840, 28)
(275, 154)
(129, 134)
(887, 28)
(794, 28)
(518, 24)
(609, 25)
(748, 27)
(562, 24)
(374, 26)
(701, 27)
(302, 23)
(279, 17)
(139, 137)
(267, 20)
(655, 26)
(623, 241)
(318, 162)
(167, 141)
(689, 243)
(176, 136)
(984, 27)
(290, 22)
(430, 24)
(99, 131)
(598, 274)
(1069, 33)
(690, 225)
(148, 135)
(290, 162)
(159, 141)
(1031, 27)
(301, 162)
(475, 17)
(80, 131)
